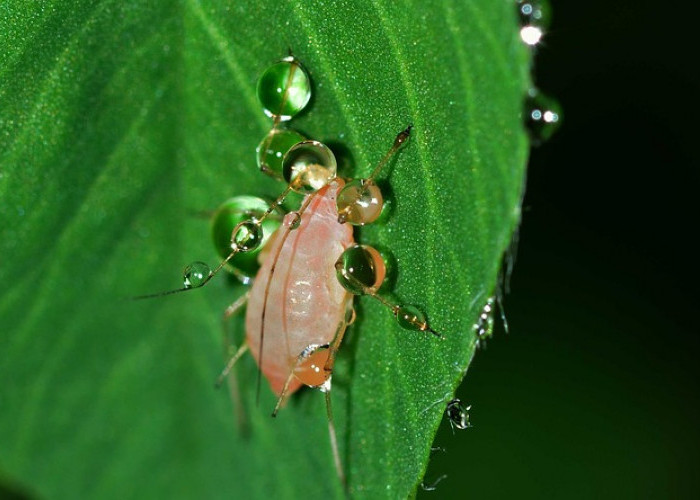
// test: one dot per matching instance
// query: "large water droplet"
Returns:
(196, 274)
(284, 89)
(360, 269)
(271, 150)
(542, 116)
(308, 166)
(359, 202)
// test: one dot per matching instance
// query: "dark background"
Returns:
(593, 393)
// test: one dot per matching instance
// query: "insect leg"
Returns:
(333, 437)
(328, 368)
(311, 363)
(231, 311)
(229, 365)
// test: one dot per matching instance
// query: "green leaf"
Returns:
(121, 119)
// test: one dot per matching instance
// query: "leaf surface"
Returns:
(119, 120)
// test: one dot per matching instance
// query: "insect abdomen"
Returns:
(305, 303)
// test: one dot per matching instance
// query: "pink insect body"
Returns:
(305, 304)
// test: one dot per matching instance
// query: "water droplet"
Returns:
(534, 19)
(410, 317)
(458, 414)
(246, 236)
(196, 274)
(231, 213)
(284, 89)
(308, 166)
(295, 220)
(531, 35)
(542, 116)
(271, 150)
(359, 202)
(534, 12)
(360, 269)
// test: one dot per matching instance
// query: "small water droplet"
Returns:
(295, 220)
(196, 274)
(542, 116)
(284, 89)
(409, 317)
(246, 236)
(534, 12)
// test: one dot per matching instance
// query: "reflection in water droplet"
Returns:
(542, 116)
(196, 274)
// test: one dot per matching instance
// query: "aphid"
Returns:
(458, 414)
(311, 267)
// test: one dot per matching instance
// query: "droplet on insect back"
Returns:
(360, 269)
(308, 166)
(284, 89)
(409, 317)
(246, 236)
(196, 274)
(271, 150)
(359, 202)
(542, 116)
(295, 220)
(458, 414)
(231, 213)
(311, 371)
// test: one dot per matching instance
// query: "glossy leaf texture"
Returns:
(121, 121)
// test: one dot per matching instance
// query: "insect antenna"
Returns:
(246, 236)
(360, 202)
(361, 271)
(400, 140)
